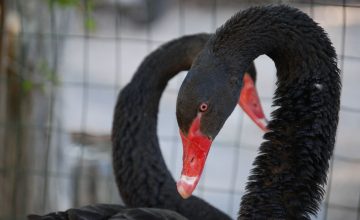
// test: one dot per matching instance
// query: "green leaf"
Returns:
(27, 86)
(90, 24)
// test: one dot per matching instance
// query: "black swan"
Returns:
(140, 170)
(141, 173)
(290, 171)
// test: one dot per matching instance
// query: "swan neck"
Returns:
(291, 168)
(289, 37)
(139, 167)
(164, 63)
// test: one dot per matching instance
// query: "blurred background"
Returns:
(63, 62)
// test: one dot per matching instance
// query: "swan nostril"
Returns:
(192, 160)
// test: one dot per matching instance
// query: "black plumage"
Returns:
(140, 170)
(290, 170)
(110, 212)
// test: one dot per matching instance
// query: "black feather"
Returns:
(290, 171)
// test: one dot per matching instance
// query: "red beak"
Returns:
(196, 145)
(250, 103)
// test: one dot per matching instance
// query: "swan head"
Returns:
(206, 99)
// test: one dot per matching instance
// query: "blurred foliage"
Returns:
(86, 6)
(42, 67)
(27, 85)
(43, 74)
(65, 3)
(46, 73)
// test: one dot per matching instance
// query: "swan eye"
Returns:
(203, 107)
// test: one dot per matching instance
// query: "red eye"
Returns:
(203, 107)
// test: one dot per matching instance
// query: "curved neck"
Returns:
(288, 36)
(140, 171)
(290, 171)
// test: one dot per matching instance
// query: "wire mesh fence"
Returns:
(63, 64)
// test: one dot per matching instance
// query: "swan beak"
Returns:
(196, 147)
(249, 101)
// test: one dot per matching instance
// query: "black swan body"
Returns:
(140, 171)
(290, 171)
(110, 212)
